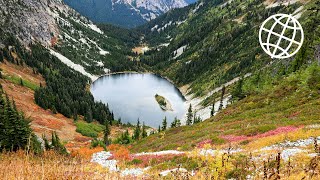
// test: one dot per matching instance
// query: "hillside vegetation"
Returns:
(291, 101)
(211, 42)
(270, 129)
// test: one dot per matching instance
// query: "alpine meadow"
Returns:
(168, 89)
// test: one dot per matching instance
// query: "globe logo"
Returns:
(281, 36)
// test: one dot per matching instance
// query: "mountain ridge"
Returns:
(125, 13)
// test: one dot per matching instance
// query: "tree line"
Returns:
(66, 91)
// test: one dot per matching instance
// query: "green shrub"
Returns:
(217, 140)
(96, 142)
(89, 129)
(258, 130)
(135, 161)
(22, 82)
(314, 79)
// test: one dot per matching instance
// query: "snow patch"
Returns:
(179, 51)
(285, 154)
(72, 65)
(282, 2)
(197, 8)
(102, 159)
(224, 4)
(205, 112)
(101, 51)
(298, 12)
(95, 28)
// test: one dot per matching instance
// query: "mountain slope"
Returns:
(56, 26)
(211, 43)
(278, 98)
(125, 13)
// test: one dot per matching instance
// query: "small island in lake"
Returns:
(163, 103)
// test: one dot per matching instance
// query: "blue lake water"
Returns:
(131, 96)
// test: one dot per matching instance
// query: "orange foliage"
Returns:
(54, 41)
(120, 152)
(85, 152)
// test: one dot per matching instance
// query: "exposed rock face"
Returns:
(25, 19)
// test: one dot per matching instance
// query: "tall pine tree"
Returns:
(137, 131)
(106, 134)
(144, 132)
(164, 124)
(189, 116)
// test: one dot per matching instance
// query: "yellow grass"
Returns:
(49, 166)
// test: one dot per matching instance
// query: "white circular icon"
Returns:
(281, 36)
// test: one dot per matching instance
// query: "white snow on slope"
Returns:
(101, 51)
(282, 2)
(298, 12)
(102, 158)
(91, 26)
(224, 4)
(205, 112)
(179, 51)
(197, 8)
(72, 65)
(155, 27)
(95, 28)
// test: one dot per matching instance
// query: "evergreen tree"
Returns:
(1, 56)
(56, 143)
(159, 129)
(144, 132)
(88, 116)
(75, 114)
(137, 131)
(178, 123)
(164, 124)
(237, 92)
(106, 133)
(174, 123)
(124, 138)
(189, 116)
(47, 145)
(223, 91)
(119, 121)
(54, 110)
(15, 131)
(21, 82)
(212, 109)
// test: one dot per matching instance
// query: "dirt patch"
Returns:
(140, 49)
(23, 72)
(42, 121)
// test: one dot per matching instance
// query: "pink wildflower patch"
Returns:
(203, 143)
(279, 130)
(233, 138)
